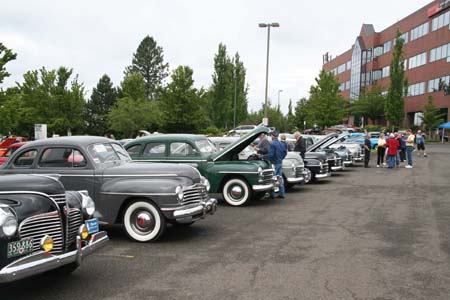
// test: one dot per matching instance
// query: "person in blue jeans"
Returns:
(277, 152)
(409, 148)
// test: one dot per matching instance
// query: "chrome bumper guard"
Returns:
(295, 179)
(262, 187)
(41, 262)
(337, 168)
(204, 208)
(323, 175)
(348, 163)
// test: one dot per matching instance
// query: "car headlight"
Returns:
(179, 192)
(293, 167)
(87, 204)
(207, 184)
(8, 222)
(259, 170)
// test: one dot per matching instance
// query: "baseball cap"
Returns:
(275, 133)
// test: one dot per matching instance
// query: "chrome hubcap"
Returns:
(236, 192)
(143, 221)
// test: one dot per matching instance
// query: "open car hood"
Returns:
(322, 142)
(241, 143)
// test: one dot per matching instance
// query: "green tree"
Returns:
(181, 104)
(241, 89)
(370, 103)
(133, 111)
(103, 98)
(149, 62)
(301, 114)
(276, 117)
(290, 117)
(394, 104)
(326, 106)
(10, 111)
(432, 115)
(6, 55)
(53, 98)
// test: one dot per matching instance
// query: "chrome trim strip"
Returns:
(170, 161)
(237, 172)
(34, 193)
(262, 187)
(295, 179)
(138, 175)
(139, 194)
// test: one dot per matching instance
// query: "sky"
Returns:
(99, 37)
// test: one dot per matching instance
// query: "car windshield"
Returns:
(107, 152)
(205, 146)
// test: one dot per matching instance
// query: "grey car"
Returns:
(143, 197)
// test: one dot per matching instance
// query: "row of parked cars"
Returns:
(58, 191)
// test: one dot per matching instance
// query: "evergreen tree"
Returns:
(133, 111)
(222, 90)
(181, 104)
(149, 62)
(326, 106)
(241, 87)
(103, 98)
(6, 55)
(370, 103)
(290, 118)
(432, 115)
(301, 114)
(394, 104)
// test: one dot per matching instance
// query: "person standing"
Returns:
(409, 148)
(300, 145)
(277, 152)
(289, 146)
(263, 145)
(392, 145)
(367, 149)
(420, 141)
(402, 141)
(381, 150)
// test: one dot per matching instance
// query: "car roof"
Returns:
(84, 140)
(169, 137)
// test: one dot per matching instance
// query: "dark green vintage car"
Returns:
(238, 180)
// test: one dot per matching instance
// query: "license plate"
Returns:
(18, 248)
(92, 225)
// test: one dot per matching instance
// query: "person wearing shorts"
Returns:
(420, 141)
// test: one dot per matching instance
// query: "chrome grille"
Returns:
(299, 172)
(194, 195)
(75, 221)
(59, 198)
(267, 176)
(324, 168)
(38, 226)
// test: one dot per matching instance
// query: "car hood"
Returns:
(241, 143)
(316, 155)
(145, 169)
(294, 156)
(326, 140)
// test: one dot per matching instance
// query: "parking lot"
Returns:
(361, 234)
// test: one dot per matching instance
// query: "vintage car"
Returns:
(43, 227)
(9, 151)
(344, 153)
(345, 140)
(238, 180)
(294, 171)
(9, 140)
(142, 197)
(334, 160)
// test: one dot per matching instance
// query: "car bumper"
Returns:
(208, 207)
(348, 163)
(43, 261)
(262, 187)
(359, 158)
(337, 168)
(295, 179)
(324, 175)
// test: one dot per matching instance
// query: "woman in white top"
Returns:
(381, 150)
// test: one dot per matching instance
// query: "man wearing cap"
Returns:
(277, 152)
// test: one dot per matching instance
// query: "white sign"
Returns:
(265, 121)
(40, 131)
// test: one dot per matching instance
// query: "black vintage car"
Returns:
(143, 197)
(43, 227)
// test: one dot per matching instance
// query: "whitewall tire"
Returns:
(143, 221)
(236, 192)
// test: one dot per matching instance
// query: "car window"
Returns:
(134, 150)
(205, 146)
(123, 154)
(62, 158)
(155, 149)
(102, 152)
(182, 149)
(26, 159)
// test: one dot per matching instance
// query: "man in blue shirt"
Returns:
(277, 152)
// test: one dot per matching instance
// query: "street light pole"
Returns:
(279, 91)
(268, 25)
(234, 116)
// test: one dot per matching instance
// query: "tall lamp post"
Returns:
(279, 92)
(268, 25)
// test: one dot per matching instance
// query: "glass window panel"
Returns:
(434, 24)
(440, 21)
(447, 18)
(438, 53)
(425, 28)
(26, 159)
(432, 55)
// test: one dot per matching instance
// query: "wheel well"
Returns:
(126, 203)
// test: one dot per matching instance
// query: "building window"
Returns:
(419, 31)
(387, 47)
(440, 21)
(355, 76)
(435, 84)
(440, 52)
(386, 71)
(341, 69)
(416, 89)
(349, 65)
(418, 60)
(376, 75)
(347, 85)
(404, 36)
(377, 51)
(334, 71)
(342, 86)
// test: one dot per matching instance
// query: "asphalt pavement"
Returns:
(361, 234)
